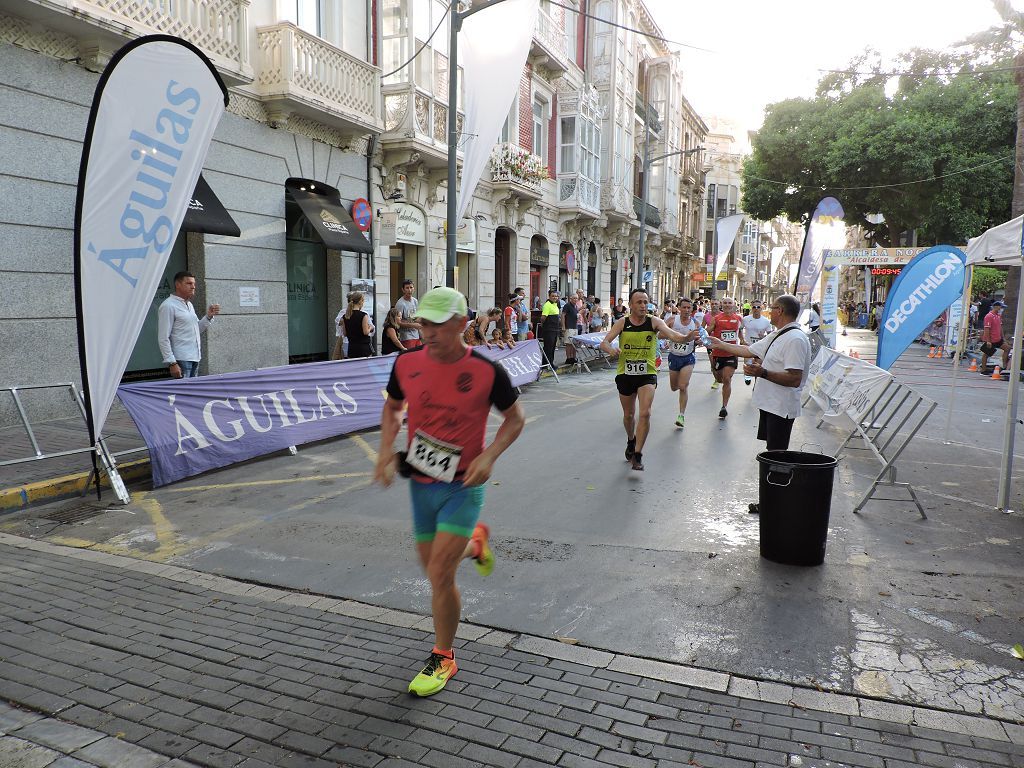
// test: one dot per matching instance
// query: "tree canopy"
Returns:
(866, 134)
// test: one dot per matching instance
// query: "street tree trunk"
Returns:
(1017, 206)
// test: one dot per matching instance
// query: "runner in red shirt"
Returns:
(727, 326)
(449, 389)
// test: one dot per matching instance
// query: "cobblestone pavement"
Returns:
(110, 661)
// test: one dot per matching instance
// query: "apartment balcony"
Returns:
(416, 127)
(219, 28)
(300, 74)
(653, 118)
(578, 194)
(653, 215)
(549, 47)
(692, 246)
(517, 173)
(739, 267)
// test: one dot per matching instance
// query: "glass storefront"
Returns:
(307, 290)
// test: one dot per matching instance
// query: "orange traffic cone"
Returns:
(931, 352)
(974, 365)
(997, 373)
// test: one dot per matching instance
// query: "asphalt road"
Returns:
(664, 563)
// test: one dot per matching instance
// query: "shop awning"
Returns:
(322, 205)
(205, 213)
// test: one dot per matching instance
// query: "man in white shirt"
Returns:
(178, 328)
(781, 360)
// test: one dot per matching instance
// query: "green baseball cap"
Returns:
(439, 305)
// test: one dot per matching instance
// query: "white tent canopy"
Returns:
(1002, 247)
(997, 247)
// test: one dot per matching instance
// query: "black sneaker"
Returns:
(723, 413)
(630, 448)
(638, 462)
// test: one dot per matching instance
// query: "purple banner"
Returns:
(195, 425)
(521, 363)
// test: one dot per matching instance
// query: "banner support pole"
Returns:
(1010, 430)
(961, 342)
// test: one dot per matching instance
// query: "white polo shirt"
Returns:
(791, 351)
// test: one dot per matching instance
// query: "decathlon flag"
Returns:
(924, 289)
(726, 230)
(153, 114)
(494, 43)
(824, 230)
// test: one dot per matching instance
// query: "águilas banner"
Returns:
(921, 292)
(153, 115)
(843, 387)
(195, 425)
(825, 230)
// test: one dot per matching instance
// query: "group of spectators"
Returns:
(354, 329)
(562, 318)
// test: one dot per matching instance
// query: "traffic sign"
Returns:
(648, 276)
(362, 214)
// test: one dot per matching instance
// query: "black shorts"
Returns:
(990, 347)
(725, 362)
(775, 430)
(629, 385)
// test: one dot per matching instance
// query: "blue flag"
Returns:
(923, 290)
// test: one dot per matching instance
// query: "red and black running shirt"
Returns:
(451, 401)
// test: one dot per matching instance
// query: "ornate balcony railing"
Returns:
(577, 191)
(511, 163)
(218, 27)
(653, 215)
(551, 45)
(295, 66)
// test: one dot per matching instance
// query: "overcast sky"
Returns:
(767, 51)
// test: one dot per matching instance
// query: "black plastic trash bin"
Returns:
(795, 498)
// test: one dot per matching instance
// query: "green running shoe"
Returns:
(433, 677)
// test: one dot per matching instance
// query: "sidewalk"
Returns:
(183, 668)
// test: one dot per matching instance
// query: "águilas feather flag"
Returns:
(825, 230)
(726, 230)
(921, 292)
(156, 107)
(494, 43)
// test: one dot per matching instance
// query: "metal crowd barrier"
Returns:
(107, 459)
(896, 408)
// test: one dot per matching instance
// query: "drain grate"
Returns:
(74, 514)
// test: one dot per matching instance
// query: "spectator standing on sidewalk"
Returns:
(407, 306)
(551, 326)
(522, 327)
(179, 328)
(992, 336)
(570, 316)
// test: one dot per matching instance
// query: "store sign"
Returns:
(869, 256)
(388, 232)
(412, 225)
(249, 296)
(698, 277)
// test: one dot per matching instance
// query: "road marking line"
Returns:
(257, 483)
(367, 448)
